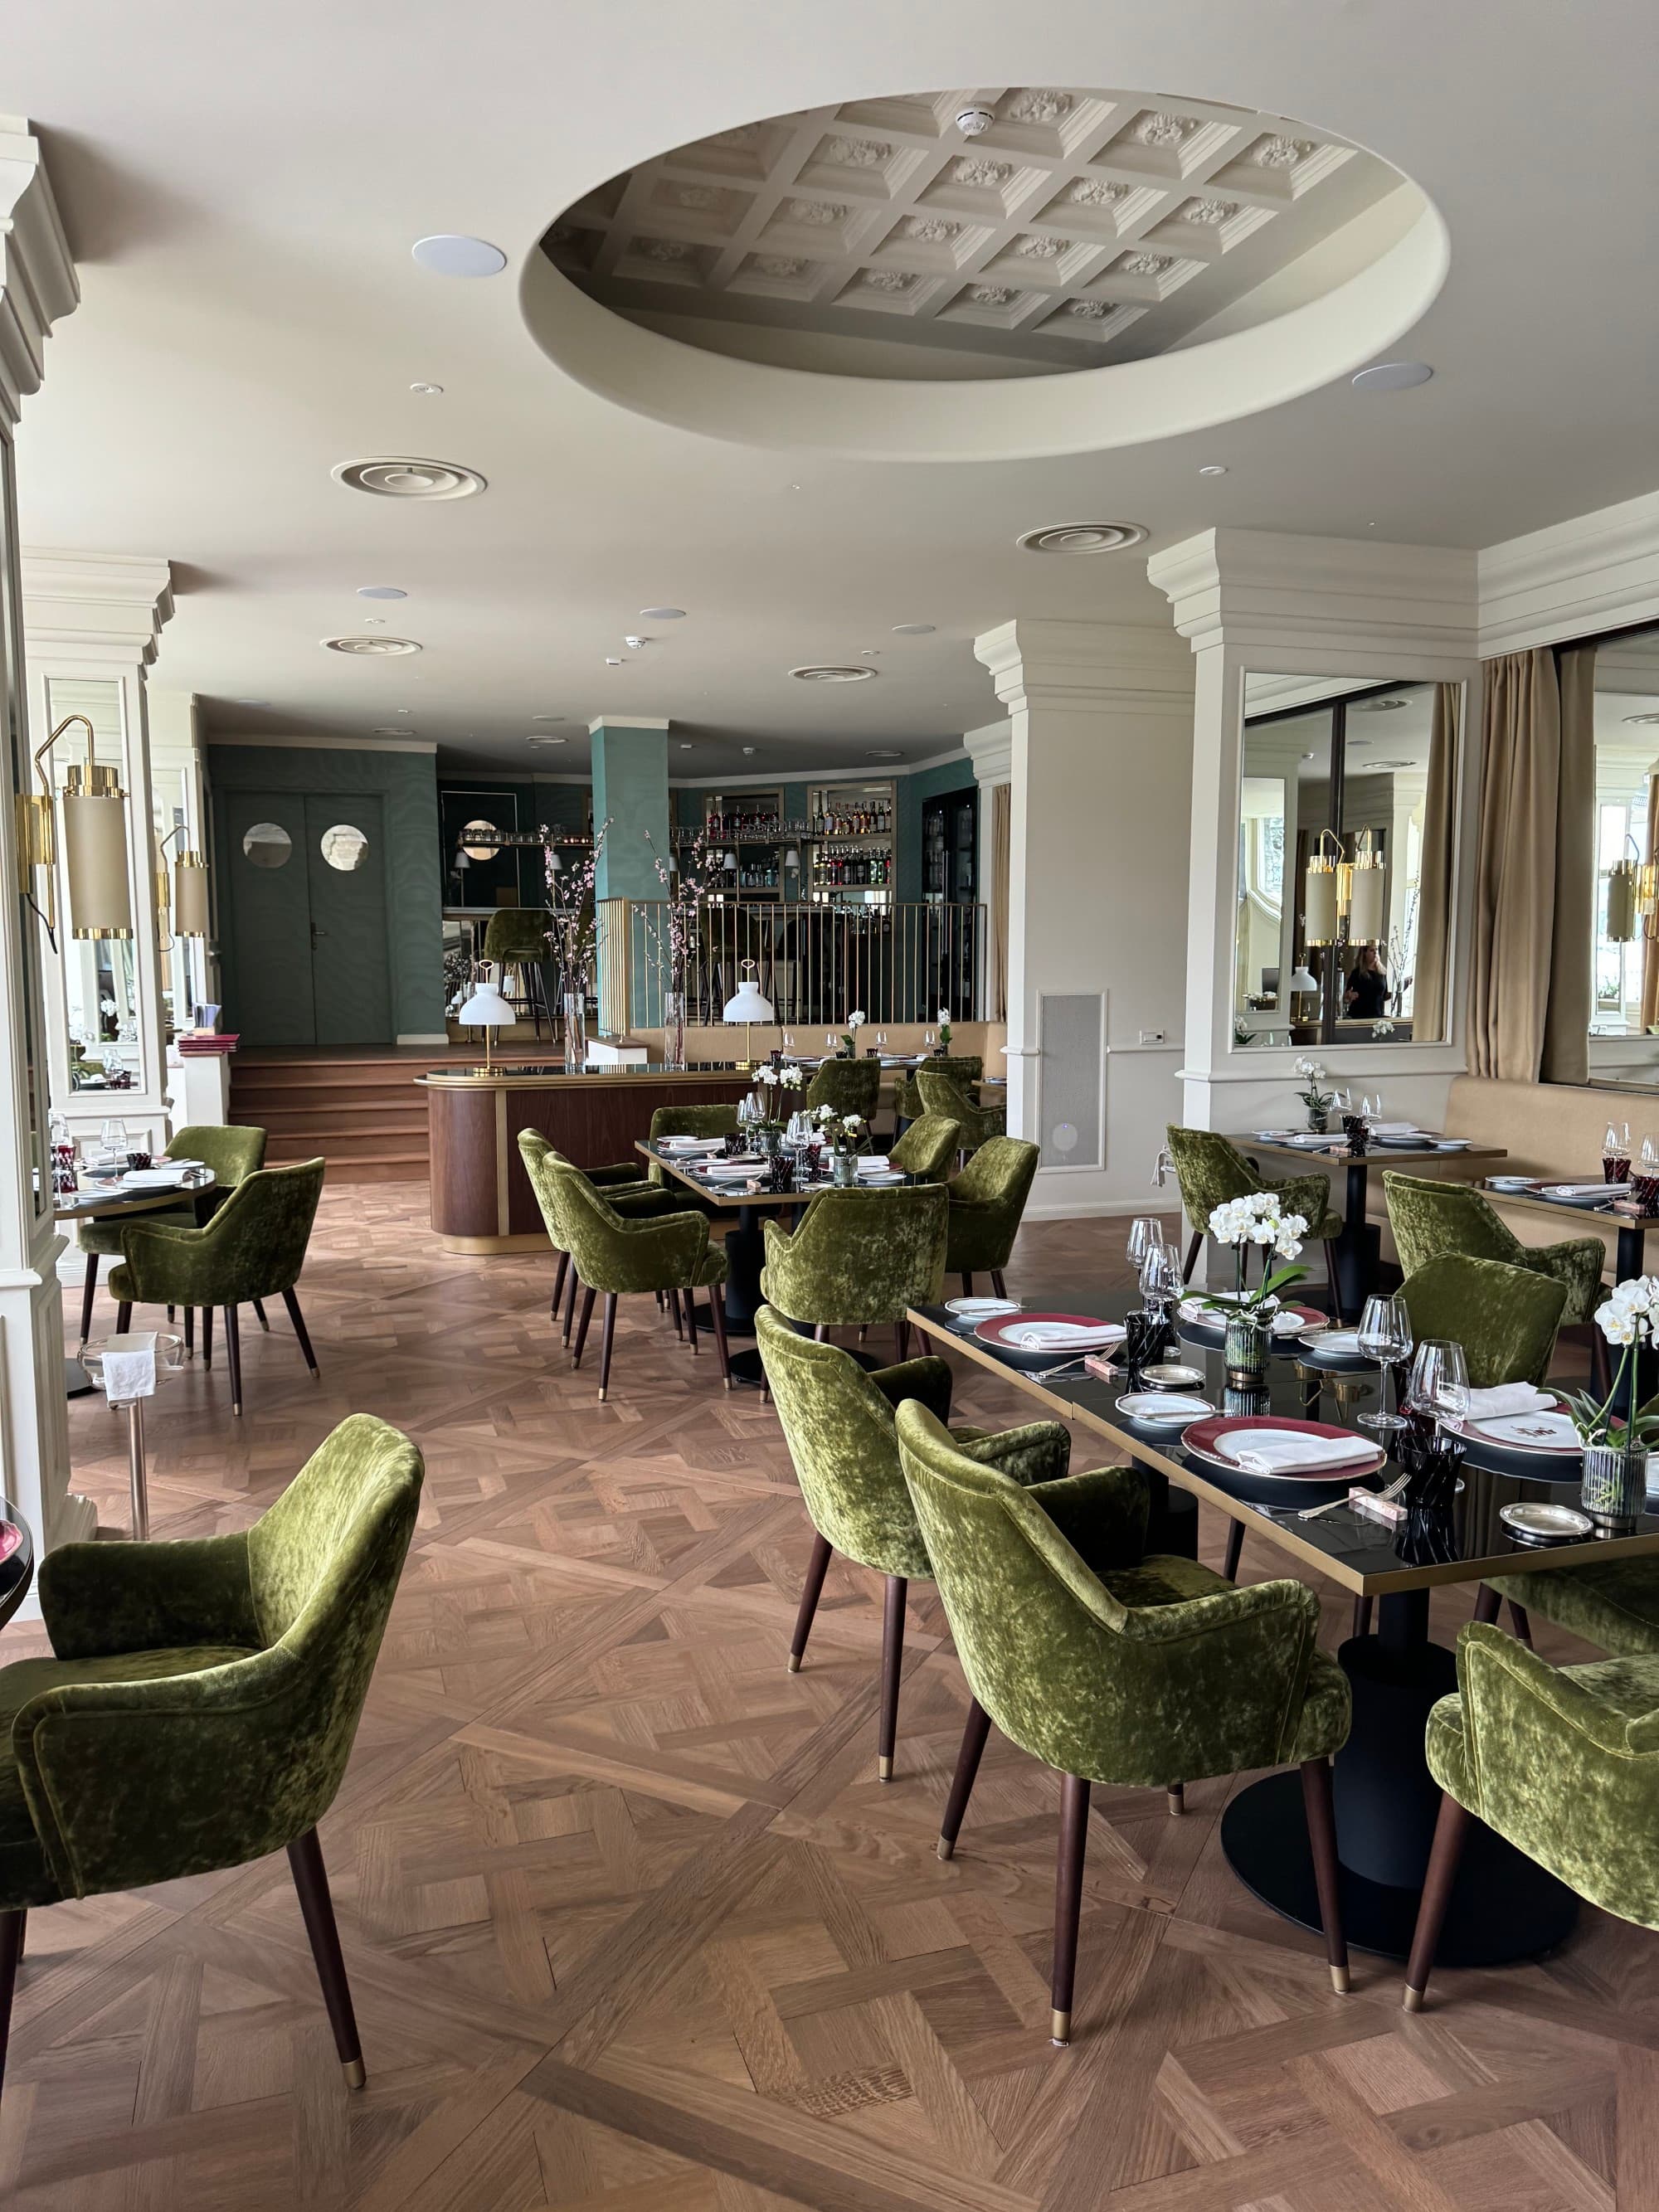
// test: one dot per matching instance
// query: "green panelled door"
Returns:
(269, 995)
(345, 863)
(308, 916)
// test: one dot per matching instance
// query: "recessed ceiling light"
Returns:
(749, 751)
(380, 591)
(882, 752)
(662, 614)
(1078, 538)
(1392, 376)
(685, 745)
(392, 730)
(1379, 706)
(427, 391)
(832, 675)
(447, 254)
(374, 622)
(402, 710)
(613, 660)
(407, 476)
(541, 740)
(1642, 719)
(550, 717)
(1213, 469)
(869, 652)
(379, 649)
(1381, 767)
(913, 629)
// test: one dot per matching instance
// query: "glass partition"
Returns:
(1345, 836)
(1625, 1000)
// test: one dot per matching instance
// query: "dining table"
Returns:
(105, 1198)
(1504, 1907)
(16, 1559)
(1355, 1256)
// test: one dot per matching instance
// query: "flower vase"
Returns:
(844, 1170)
(673, 1029)
(1245, 1351)
(1615, 1485)
(575, 1032)
(769, 1140)
(1318, 1124)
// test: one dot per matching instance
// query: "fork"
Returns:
(1384, 1497)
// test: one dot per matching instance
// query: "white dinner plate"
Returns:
(1546, 1432)
(980, 1309)
(1344, 1342)
(1161, 1406)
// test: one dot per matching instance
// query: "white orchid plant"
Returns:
(1318, 1102)
(945, 1029)
(1628, 1318)
(841, 1132)
(1259, 1220)
(849, 1035)
(773, 1080)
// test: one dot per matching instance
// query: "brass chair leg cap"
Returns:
(354, 2071)
(885, 1770)
(1059, 2029)
(1340, 1980)
(604, 1394)
(947, 1850)
(1412, 2000)
(794, 1664)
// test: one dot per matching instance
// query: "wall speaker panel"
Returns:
(1071, 1083)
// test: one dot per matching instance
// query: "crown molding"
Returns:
(626, 722)
(304, 742)
(1275, 592)
(1596, 572)
(1041, 662)
(38, 283)
(991, 751)
(95, 604)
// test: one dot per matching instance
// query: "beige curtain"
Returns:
(1002, 799)
(1650, 949)
(1529, 976)
(1435, 866)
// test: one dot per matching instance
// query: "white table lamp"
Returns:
(747, 1005)
(488, 1010)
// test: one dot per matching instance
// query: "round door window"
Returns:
(345, 848)
(480, 840)
(267, 844)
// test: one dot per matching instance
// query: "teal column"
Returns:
(630, 793)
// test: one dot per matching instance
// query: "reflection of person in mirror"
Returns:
(1367, 992)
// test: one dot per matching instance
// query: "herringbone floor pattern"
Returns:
(630, 1923)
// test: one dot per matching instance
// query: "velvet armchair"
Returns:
(624, 1189)
(612, 1254)
(851, 1086)
(233, 1153)
(689, 1121)
(201, 1702)
(1211, 1170)
(1429, 1218)
(1562, 1761)
(1112, 1666)
(859, 1257)
(964, 1068)
(927, 1149)
(253, 1248)
(1505, 1318)
(837, 1420)
(987, 1203)
(945, 1095)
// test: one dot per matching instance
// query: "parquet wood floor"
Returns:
(631, 1925)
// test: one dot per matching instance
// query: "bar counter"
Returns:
(482, 1200)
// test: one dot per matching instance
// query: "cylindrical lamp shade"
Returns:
(1319, 902)
(189, 896)
(1621, 902)
(95, 851)
(1367, 902)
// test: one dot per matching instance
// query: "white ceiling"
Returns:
(242, 192)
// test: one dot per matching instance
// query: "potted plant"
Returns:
(945, 1029)
(1617, 1443)
(769, 1121)
(1318, 1102)
(1254, 1219)
(573, 937)
(842, 1135)
(848, 1047)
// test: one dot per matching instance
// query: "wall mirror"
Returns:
(1624, 1023)
(101, 994)
(1346, 833)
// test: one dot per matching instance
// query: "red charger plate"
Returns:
(991, 1333)
(1202, 1438)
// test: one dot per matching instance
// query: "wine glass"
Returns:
(1615, 1152)
(927, 1039)
(830, 1040)
(881, 1040)
(1145, 1230)
(1371, 1106)
(1649, 1157)
(1160, 1276)
(788, 1041)
(113, 1136)
(1385, 1335)
(1439, 1384)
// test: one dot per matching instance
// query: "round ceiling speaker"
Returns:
(832, 675)
(1079, 537)
(1379, 706)
(406, 476)
(373, 649)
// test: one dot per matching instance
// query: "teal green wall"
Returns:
(928, 783)
(407, 784)
(630, 793)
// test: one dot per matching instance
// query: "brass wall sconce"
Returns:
(1344, 900)
(95, 841)
(184, 894)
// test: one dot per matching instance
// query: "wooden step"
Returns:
(348, 1113)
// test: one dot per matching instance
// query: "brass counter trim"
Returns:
(505, 1079)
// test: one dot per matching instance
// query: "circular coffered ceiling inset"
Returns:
(868, 277)
(823, 673)
(372, 648)
(407, 476)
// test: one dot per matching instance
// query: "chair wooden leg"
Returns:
(1176, 1794)
(976, 1729)
(688, 1299)
(1321, 1836)
(1450, 1831)
(812, 1589)
(1362, 1616)
(1486, 1602)
(259, 1315)
(207, 1336)
(89, 1293)
(123, 1316)
(1068, 1901)
(892, 1655)
(863, 1331)
(967, 1287)
(12, 1926)
(679, 1318)
(299, 1330)
(569, 1307)
(234, 1358)
(902, 1333)
(1193, 1251)
(1521, 1623)
(190, 1330)
(607, 1332)
(818, 1331)
(998, 1286)
(305, 1859)
(1235, 1546)
(559, 1275)
(1601, 1364)
(717, 1320)
(581, 1326)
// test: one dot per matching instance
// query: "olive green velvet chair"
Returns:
(964, 1069)
(253, 1248)
(200, 1705)
(612, 1254)
(1112, 1666)
(689, 1121)
(1211, 1170)
(516, 937)
(1563, 1762)
(624, 1187)
(837, 1420)
(859, 1257)
(1429, 1218)
(987, 1203)
(233, 1154)
(943, 1094)
(1505, 1318)
(851, 1086)
(927, 1149)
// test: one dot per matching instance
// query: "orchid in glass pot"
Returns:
(1318, 1100)
(848, 1047)
(1617, 1442)
(945, 1029)
(1256, 1219)
(773, 1084)
(842, 1135)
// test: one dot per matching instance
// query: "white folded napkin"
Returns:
(1396, 1129)
(1290, 1324)
(1283, 1451)
(1062, 1336)
(1175, 1405)
(689, 1144)
(873, 1164)
(1509, 1398)
(731, 1170)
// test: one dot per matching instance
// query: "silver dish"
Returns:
(1145, 1406)
(1172, 1375)
(1545, 1524)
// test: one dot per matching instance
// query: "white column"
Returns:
(37, 287)
(1256, 603)
(91, 625)
(991, 749)
(1100, 717)
(199, 1089)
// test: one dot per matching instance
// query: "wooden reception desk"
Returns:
(482, 1200)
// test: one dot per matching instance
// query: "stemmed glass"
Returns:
(1439, 1389)
(831, 1040)
(1145, 1230)
(927, 1039)
(1371, 1106)
(1160, 1277)
(113, 1136)
(1385, 1335)
(1615, 1152)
